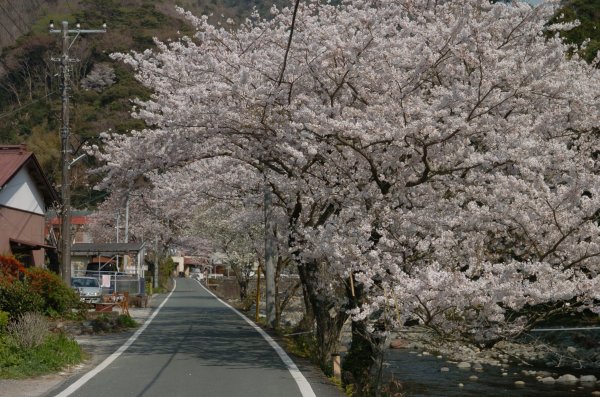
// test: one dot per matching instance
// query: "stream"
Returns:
(420, 376)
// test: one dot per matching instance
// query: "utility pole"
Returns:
(269, 256)
(65, 153)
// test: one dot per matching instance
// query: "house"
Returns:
(80, 220)
(25, 196)
(122, 257)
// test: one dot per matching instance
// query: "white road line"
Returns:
(85, 378)
(305, 388)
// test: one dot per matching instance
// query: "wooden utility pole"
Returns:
(257, 293)
(65, 153)
(269, 257)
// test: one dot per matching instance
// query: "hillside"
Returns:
(101, 88)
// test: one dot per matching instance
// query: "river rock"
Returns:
(543, 374)
(588, 379)
(519, 383)
(464, 365)
(596, 393)
(478, 367)
(548, 380)
(571, 349)
(444, 369)
(567, 379)
(398, 344)
(473, 377)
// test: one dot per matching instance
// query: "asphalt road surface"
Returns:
(197, 346)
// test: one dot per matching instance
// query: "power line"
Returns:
(26, 105)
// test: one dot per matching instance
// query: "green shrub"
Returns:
(126, 321)
(3, 320)
(17, 299)
(57, 352)
(58, 298)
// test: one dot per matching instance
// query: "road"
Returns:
(195, 345)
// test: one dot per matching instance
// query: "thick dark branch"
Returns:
(289, 44)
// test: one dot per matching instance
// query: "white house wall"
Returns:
(22, 193)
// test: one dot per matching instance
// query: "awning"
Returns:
(30, 244)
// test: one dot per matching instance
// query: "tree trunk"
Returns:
(328, 315)
(363, 364)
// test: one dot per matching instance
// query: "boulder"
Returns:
(464, 365)
(588, 379)
(548, 380)
(519, 383)
(567, 379)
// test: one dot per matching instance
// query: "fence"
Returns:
(115, 281)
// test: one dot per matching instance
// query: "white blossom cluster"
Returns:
(444, 154)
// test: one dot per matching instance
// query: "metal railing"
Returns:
(112, 282)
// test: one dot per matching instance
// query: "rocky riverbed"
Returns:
(532, 367)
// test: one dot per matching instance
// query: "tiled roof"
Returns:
(12, 158)
(15, 157)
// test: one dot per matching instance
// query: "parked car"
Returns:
(196, 273)
(95, 269)
(89, 289)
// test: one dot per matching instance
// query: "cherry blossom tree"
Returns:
(436, 160)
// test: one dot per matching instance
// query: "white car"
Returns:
(89, 288)
(196, 274)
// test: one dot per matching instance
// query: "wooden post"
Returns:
(257, 293)
(337, 368)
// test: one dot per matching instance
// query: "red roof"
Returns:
(12, 158)
(15, 157)
(190, 260)
(75, 220)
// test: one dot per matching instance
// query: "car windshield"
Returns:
(85, 282)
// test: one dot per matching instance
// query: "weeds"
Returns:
(56, 352)
(29, 330)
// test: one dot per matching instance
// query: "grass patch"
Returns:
(55, 353)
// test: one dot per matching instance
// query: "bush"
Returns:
(29, 330)
(56, 352)
(10, 269)
(17, 299)
(58, 298)
(3, 321)
(126, 321)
